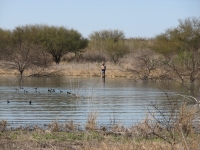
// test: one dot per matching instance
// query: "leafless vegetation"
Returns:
(3, 125)
(92, 121)
(144, 63)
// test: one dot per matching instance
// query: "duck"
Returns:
(30, 102)
(8, 101)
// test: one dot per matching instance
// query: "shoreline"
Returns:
(74, 69)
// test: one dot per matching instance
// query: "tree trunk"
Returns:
(57, 59)
(21, 73)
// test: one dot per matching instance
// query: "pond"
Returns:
(114, 100)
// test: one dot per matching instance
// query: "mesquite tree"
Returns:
(181, 48)
(110, 42)
(5, 36)
(20, 51)
(59, 41)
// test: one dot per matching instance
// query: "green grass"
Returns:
(85, 140)
(67, 136)
(50, 136)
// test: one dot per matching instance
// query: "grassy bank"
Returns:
(37, 140)
(116, 139)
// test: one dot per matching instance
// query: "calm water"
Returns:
(114, 100)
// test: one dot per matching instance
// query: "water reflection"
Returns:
(114, 99)
(103, 80)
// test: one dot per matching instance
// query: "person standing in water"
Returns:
(103, 70)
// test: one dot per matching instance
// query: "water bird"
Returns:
(68, 92)
(61, 91)
(51, 90)
(30, 102)
(25, 91)
(8, 101)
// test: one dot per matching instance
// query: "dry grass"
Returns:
(130, 145)
(70, 126)
(91, 124)
(174, 129)
(75, 69)
(3, 125)
(54, 126)
(38, 140)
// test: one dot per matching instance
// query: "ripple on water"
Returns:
(117, 99)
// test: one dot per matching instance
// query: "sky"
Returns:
(136, 18)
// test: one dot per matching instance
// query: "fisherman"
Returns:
(103, 70)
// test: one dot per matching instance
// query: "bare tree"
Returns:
(24, 57)
(173, 125)
(144, 63)
(181, 48)
(23, 53)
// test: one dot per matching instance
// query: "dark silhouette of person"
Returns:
(103, 70)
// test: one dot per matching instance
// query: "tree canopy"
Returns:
(59, 41)
(19, 50)
(5, 36)
(181, 48)
(110, 42)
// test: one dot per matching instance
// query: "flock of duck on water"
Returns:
(49, 91)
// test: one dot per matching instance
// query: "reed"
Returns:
(70, 126)
(3, 125)
(91, 124)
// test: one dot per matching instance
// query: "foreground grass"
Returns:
(101, 139)
(78, 140)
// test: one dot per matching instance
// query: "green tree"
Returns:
(110, 42)
(5, 36)
(22, 52)
(115, 50)
(59, 41)
(136, 44)
(181, 48)
(98, 38)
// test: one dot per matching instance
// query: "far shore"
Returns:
(88, 69)
(74, 69)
